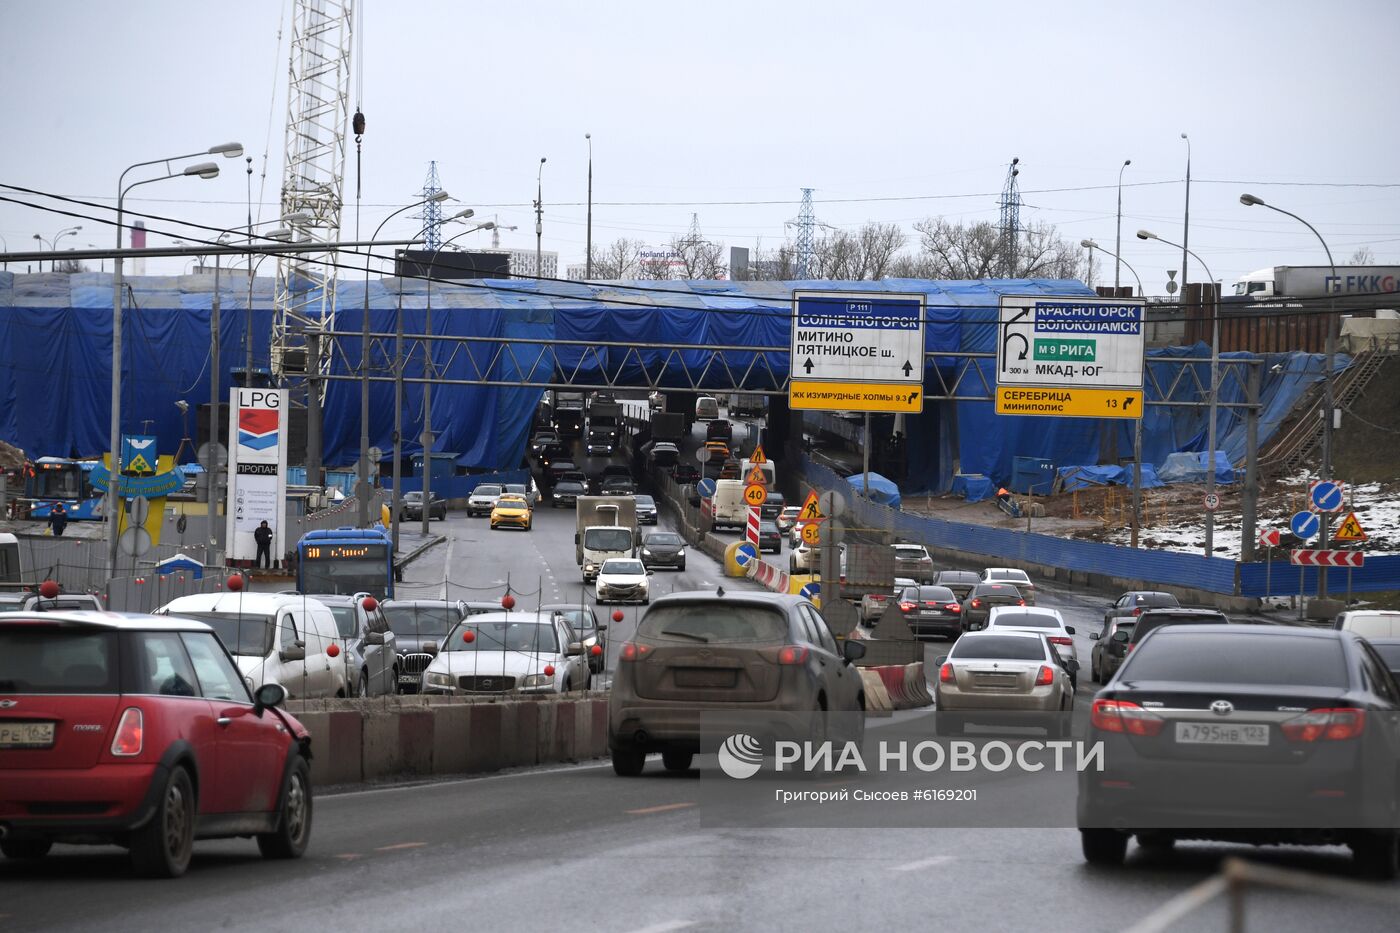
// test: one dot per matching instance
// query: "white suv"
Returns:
(483, 499)
(1017, 578)
(276, 638)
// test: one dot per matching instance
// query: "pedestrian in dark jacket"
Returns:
(263, 536)
(58, 519)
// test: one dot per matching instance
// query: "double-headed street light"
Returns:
(1328, 384)
(1214, 382)
(362, 490)
(1090, 244)
(205, 170)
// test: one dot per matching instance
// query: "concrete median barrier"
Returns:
(877, 698)
(916, 685)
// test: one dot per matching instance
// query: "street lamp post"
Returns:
(42, 243)
(1214, 387)
(362, 479)
(1118, 235)
(588, 258)
(427, 439)
(539, 220)
(205, 170)
(1328, 380)
(1186, 219)
(1092, 244)
(58, 236)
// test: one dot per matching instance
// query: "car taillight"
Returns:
(905, 606)
(127, 742)
(1329, 725)
(632, 651)
(879, 598)
(945, 674)
(1124, 716)
(1020, 602)
(953, 607)
(1137, 611)
(1046, 677)
(793, 654)
(977, 604)
(1061, 640)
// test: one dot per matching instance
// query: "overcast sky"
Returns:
(892, 111)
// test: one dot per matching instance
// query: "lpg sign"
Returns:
(257, 470)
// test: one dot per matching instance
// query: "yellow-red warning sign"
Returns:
(756, 478)
(758, 456)
(1349, 530)
(755, 495)
(810, 511)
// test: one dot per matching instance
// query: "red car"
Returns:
(140, 731)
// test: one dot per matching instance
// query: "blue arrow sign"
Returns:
(1304, 524)
(810, 591)
(745, 553)
(1327, 496)
(706, 487)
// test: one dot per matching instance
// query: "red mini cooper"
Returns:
(140, 731)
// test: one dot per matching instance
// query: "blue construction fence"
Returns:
(1174, 568)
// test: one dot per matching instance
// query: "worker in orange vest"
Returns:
(1003, 495)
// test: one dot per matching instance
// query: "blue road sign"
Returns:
(1305, 524)
(745, 553)
(1327, 496)
(810, 591)
(706, 487)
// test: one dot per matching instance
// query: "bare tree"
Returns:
(617, 260)
(1362, 257)
(69, 266)
(865, 254)
(699, 258)
(958, 251)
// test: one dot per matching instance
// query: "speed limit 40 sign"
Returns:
(755, 494)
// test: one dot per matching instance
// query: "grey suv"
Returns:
(368, 644)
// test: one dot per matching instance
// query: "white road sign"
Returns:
(858, 337)
(1070, 342)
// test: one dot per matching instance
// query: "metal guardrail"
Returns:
(1236, 876)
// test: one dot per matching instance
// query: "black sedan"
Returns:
(770, 539)
(663, 549)
(566, 492)
(412, 509)
(1256, 734)
(1135, 602)
(931, 611)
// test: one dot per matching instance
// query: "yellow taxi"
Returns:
(511, 510)
(719, 450)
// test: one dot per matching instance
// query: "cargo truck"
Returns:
(1318, 282)
(668, 426)
(605, 416)
(607, 527)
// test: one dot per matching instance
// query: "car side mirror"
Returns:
(940, 660)
(576, 539)
(651, 573)
(852, 651)
(1072, 666)
(1094, 636)
(268, 695)
(294, 652)
(602, 626)
(575, 648)
(1120, 637)
(1069, 629)
(374, 638)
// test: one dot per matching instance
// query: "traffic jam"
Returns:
(123, 729)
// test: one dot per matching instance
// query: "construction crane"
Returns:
(496, 232)
(313, 175)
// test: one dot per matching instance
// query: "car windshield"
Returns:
(1155, 620)
(957, 576)
(935, 594)
(909, 552)
(49, 659)
(245, 633)
(768, 528)
(487, 490)
(1004, 647)
(517, 489)
(414, 497)
(1010, 576)
(997, 589)
(628, 567)
(1026, 619)
(1390, 654)
(528, 636)
(1255, 659)
(345, 622)
(644, 500)
(421, 621)
(1157, 600)
(607, 539)
(580, 620)
(510, 502)
(714, 621)
(1373, 626)
(664, 539)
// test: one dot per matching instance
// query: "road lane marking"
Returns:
(665, 926)
(665, 807)
(924, 863)
(428, 785)
(401, 845)
(348, 856)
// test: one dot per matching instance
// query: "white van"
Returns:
(769, 471)
(730, 508)
(1370, 623)
(706, 408)
(276, 638)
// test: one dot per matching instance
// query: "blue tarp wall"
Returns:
(55, 351)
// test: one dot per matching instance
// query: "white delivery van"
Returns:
(766, 467)
(706, 408)
(730, 508)
(275, 638)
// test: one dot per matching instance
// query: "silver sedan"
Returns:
(1003, 672)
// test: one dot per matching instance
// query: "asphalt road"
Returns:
(576, 848)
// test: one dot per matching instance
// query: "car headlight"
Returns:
(590, 568)
(681, 552)
(646, 553)
(435, 679)
(537, 680)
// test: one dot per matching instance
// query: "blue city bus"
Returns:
(58, 479)
(346, 560)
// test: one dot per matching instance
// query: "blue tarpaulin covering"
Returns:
(1082, 477)
(1190, 467)
(881, 490)
(973, 488)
